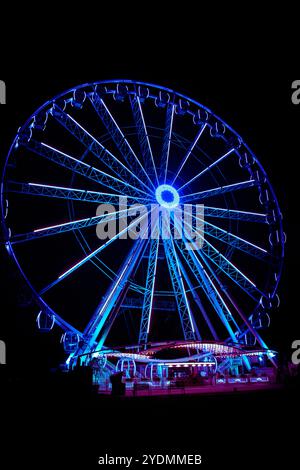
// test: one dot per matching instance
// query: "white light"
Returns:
(167, 196)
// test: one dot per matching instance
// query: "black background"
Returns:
(250, 95)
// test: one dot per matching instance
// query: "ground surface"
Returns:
(230, 430)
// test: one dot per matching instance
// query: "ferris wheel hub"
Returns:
(167, 196)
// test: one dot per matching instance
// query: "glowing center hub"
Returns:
(167, 196)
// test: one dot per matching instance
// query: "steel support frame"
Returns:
(81, 168)
(95, 147)
(98, 328)
(69, 226)
(143, 137)
(190, 150)
(232, 214)
(118, 137)
(167, 138)
(206, 284)
(208, 168)
(199, 304)
(44, 190)
(247, 327)
(228, 268)
(218, 302)
(92, 254)
(135, 303)
(179, 291)
(149, 292)
(212, 294)
(188, 198)
(233, 240)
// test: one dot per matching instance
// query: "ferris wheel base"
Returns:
(180, 365)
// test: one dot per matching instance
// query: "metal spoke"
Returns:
(244, 216)
(60, 192)
(199, 304)
(95, 147)
(208, 168)
(166, 143)
(91, 255)
(149, 291)
(143, 136)
(183, 306)
(235, 274)
(218, 191)
(70, 226)
(109, 306)
(82, 168)
(190, 150)
(108, 309)
(206, 283)
(238, 309)
(208, 288)
(118, 137)
(233, 240)
(248, 326)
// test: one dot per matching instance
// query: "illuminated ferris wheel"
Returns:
(99, 141)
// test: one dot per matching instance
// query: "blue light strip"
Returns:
(232, 239)
(167, 144)
(81, 168)
(102, 247)
(189, 152)
(79, 190)
(222, 213)
(94, 146)
(223, 257)
(206, 284)
(142, 133)
(70, 226)
(150, 287)
(147, 137)
(179, 289)
(221, 298)
(100, 171)
(199, 303)
(218, 191)
(91, 255)
(104, 315)
(117, 135)
(195, 297)
(241, 314)
(153, 287)
(208, 168)
(61, 192)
